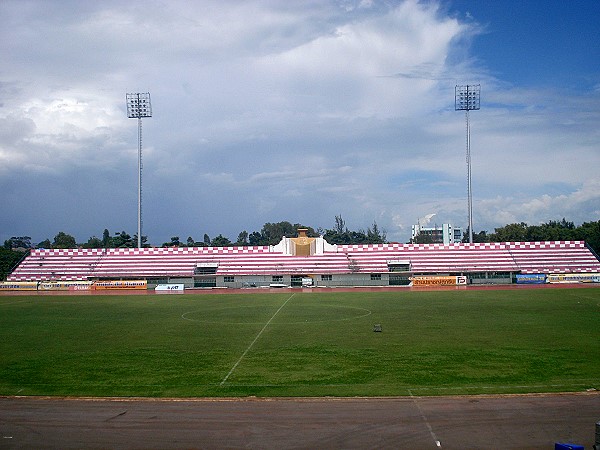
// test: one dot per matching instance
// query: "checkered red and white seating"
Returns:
(524, 257)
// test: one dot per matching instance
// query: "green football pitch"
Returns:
(297, 343)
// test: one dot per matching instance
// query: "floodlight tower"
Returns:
(138, 106)
(467, 98)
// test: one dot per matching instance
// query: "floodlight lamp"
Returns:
(138, 105)
(467, 97)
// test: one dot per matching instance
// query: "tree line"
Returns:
(269, 234)
(562, 230)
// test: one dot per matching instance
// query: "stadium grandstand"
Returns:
(309, 261)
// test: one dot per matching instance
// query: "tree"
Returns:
(45, 244)
(220, 241)
(123, 240)
(514, 232)
(535, 233)
(175, 242)
(93, 242)
(558, 230)
(340, 225)
(8, 260)
(333, 237)
(341, 235)
(590, 233)
(374, 235)
(193, 243)
(206, 240)
(18, 242)
(106, 239)
(242, 239)
(482, 236)
(144, 240)
(255, 238)
(64, 240)
(272, 233)
(422, 238)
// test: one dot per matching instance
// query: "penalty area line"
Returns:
(254, 341)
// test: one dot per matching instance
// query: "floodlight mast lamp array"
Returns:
(139, 106)
(467, 98)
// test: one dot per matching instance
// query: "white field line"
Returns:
(255, 339)
(433, 436)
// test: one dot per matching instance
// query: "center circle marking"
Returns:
(349, 313)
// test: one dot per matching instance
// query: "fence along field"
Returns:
(301, 344)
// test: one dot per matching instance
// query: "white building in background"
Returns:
(446, 234)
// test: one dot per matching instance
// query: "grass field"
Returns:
(298, 343)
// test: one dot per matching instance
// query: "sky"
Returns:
(269, 110)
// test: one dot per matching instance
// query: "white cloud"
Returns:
(65, 130)
(267, 110)
(580, 205)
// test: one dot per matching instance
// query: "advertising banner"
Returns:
(439, 281)
(574, 278)
(533, 278)
(81, 287)
(18, 285)
(170, 288)
(64, 285)
(122, 284)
